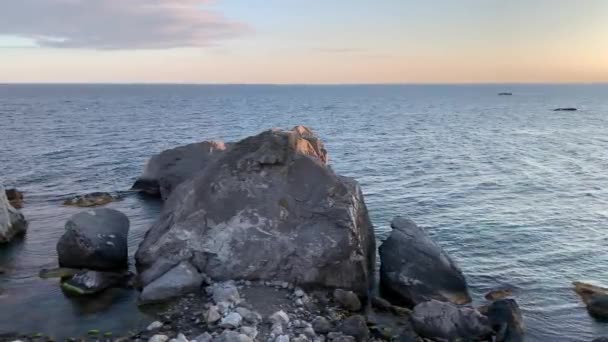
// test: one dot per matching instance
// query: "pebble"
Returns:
(300, 338)
(252, 332)
(154, 326)
(321, 325)
(279, 317)
(180, 338)
(310, 332)
(204, 337)
(225, 292)
(224, 307)
(159, 338)
(248, 315)
(212, 315)
(299, 293)
(231, 321)
(282, 338)
(347, 299)
(299, 302)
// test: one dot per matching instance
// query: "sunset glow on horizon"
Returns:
(279, 42)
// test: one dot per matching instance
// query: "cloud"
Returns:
(340, 50)
(117, 24)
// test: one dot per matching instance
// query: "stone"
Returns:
(321, 325)
(347, 299)
(381, 304)
(225, 292)
(232, 336)
(268, 200)
(231, 321)
(506, 320)
(300, 338)
(166, 170)
(299, 293)
(12, 221)
(248, 315)
(91, 200)
(252, 332)
(334, 335)
(355, 326)
(499, 293)
(159, 338)
(595, 298)
(95, 239)
(92, 282)
(310, 332)
(180, 338)
(204, 337)
(345, 338)
(279, 317)
(212, 315)
(154, 326)
(282, 338)
(15, 198)
(180, 280)
(224, 307)
(414, 269)
(444, 320)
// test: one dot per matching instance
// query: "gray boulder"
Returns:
(91, 282)
(180, 280)
(506, 319)
(95, 239)
(356, 327)
(12, 222)
(414, 269)
(166, 170)
(268, 208)
(442, 320)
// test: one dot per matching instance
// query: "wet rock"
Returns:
(497, 294)
(355, 326)
(166, 170)
(180, 280)
(91, 200)
(159, 338)
(231, 321)
(347, 299)
(12, 222)
(414, 269)
(595, 298)
(15, 198)
(381, 304)
(154, 326)
(274, 194)
(225, 292)
(212, 315)
(91, 282)
(321, 325)
(96, 240)
(506, 319)
(204, 337)
(436, 319)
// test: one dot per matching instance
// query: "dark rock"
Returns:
(91, 200)
(381, 304)
(12, 222)
(91, 282)
(268, 208)
(15, 197)
(321, 325)
(442, 320)
(96, 240)
(414, 269)
(506, 320)
(565, 109)
(180, 280)
(355, 326)
(595, 297)
(347, 299)
(499, 293)
(166, 170)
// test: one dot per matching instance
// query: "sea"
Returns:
(515, 192)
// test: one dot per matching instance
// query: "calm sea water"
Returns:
(516, 193)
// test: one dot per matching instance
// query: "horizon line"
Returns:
(2, 83)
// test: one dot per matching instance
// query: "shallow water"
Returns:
(515, 192)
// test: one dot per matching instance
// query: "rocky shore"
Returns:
(260, 240)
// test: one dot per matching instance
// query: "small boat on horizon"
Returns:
(505, 94)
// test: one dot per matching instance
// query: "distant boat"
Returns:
(565, 109)
(505, 94)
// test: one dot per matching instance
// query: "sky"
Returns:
(297, 41)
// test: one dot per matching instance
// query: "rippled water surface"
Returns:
(516, 193)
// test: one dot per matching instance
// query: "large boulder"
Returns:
(12, 222)
(441, 320)
(95, 239)
(595, 298)
(268, 208)
(166, 170)
(180, 280)
(414, 269)
(506, 320)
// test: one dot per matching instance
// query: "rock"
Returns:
(225, 292)
(232, 336)
(91, 200)
(91, 282)
(300, 338)
(15, 198)
(334, 335)
(96, 240)
(321, 325)
(231, 321)
(310, 332)
(565, 109)
(180, 280)
(12, 222)
(159, 338)
(252, 332)
(347, 299)
(282, 338)
(248, 315)
(355, 326)
(224, 307)
(299, 293)
(345, 338)
(414, 269)
(595, 298)
(166, 170)
(497, 294)
(279, 318)
(506, 319)
(154, 326)
(442, 320)
(204, 337)
(381, 304)
(180, 338)
(268, 208)
(212, 315)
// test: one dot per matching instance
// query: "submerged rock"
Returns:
(96, 240)
(60, 272)
(15, 198)
(498, 293)
(91, 282)
(12, 222)
(414, 269)
(91, 200)
(180, 280)
(436, 319)
(166, 170)
(268, 208)
(506, 320)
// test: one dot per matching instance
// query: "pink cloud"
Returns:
(117, 24)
